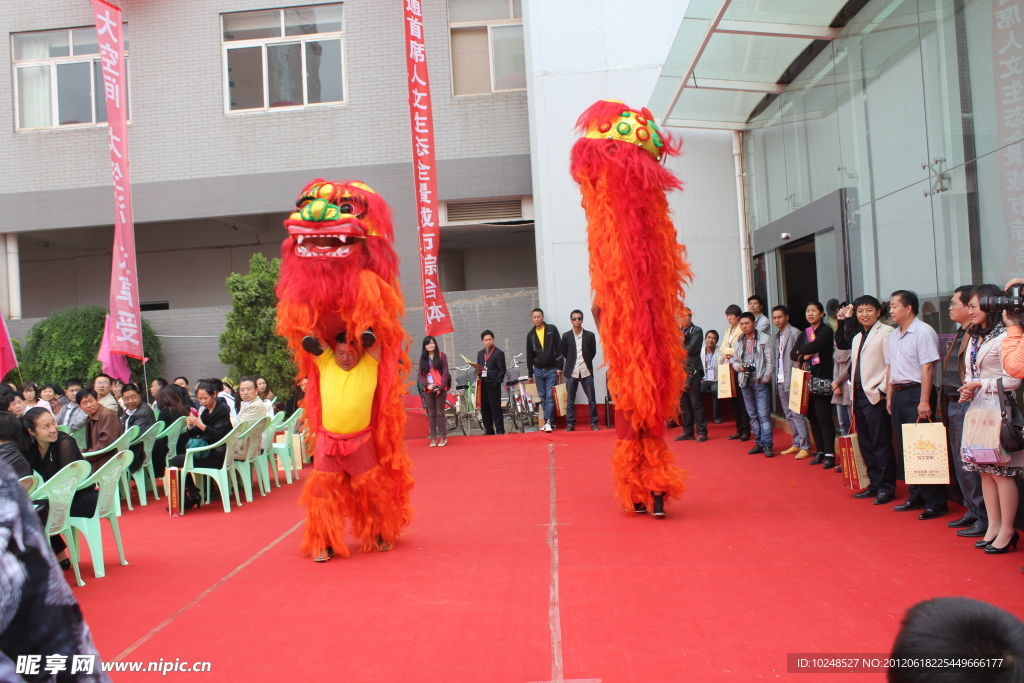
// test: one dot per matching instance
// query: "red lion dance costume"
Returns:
(339, 274)
(637, 271)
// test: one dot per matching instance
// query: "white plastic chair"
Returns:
(58, 493)
(146, 439)
(221, 475)
(119, 444)
(30, 483)
(107, 504)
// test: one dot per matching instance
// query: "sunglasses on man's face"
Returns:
(577, 319)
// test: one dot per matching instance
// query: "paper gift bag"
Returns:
(726, 382)
(477, 394)
(925, 459)
(561, 399)
(172, 488)
(855, 471)
(799, 391)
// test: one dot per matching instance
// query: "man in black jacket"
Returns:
(578, 348)
(543, 363)
(491, 360)
(691, 403)
(137, 413)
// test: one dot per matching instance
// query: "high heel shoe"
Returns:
(981, 543)
(1012, 545)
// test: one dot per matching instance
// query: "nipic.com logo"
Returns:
(32, 665)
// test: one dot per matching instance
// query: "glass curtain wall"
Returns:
(917, 110)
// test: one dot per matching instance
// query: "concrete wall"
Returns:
(500, 268)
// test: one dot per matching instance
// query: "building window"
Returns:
(488, 53)
(284, 58)
(59, 76)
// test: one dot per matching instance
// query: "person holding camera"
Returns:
(816, 351)
(984, 368)
(1013, 345)
(754, 363)
(435, 381)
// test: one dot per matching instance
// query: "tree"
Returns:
(64, 346)
(250, 344)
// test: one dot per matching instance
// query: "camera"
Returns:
(748, 367)
(1014, 303)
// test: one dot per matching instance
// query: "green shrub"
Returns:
(250, 344)
(64, 346)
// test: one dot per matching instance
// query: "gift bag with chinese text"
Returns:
(925, 459)
(172, 489)
(561, 395)
(982, 424)
(726, 382)
(799, 391)
(855, 471)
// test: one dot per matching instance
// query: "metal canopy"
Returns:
(729, 54)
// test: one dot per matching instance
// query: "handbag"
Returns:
(1011, 436)
(195, 443)
(821, 386)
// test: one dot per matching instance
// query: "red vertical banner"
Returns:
(436, 320)
(126, 337)
(1008, 52)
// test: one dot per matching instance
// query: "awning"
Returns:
(729, 54)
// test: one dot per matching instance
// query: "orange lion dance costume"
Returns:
(637, 271)
(339, 281)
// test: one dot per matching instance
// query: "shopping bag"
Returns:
(561, 395)
(173, 491)
(855, 471)
(799, 391)
(925, 459)
(727, 382)
(982, 424)
(477, 394)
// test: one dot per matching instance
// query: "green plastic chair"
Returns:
(147, 439)
(172, 433)
(222, 475)
(253, 436)
(80, 437)
(284, 451)
(64, 428)
(107, 504)
(265, 457)
(58, 492)
(119, 444)
(31, 483)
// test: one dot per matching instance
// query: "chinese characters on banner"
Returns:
(435, 312)
(126, 337)
(1008, 50)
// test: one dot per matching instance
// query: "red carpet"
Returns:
(760, 558)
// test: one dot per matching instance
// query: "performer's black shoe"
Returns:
(368, 338)
(659, 505)
(312, 345)
(640, 508)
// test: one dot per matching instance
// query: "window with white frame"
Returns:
(488, 53)
(291, 57)
(59, 77)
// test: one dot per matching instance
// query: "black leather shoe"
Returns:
(684, 437)
(701, 438)
(908, 506)
(570, 428)
(818, 459)
(1012, 545)
(755, 450)
(640, 508)
(883, 498)
(974, 531)
(965, 521)
(718, 420)
(745, 437)
(768, 453)
(735, 436)
(981, 544)
(866, 493)
(932, 513)
(594, 428)
(830, 462)
(659, 505)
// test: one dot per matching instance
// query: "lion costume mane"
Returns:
(339, 273)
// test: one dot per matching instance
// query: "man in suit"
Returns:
(786, 339)
(492, 369)
(911, 356)
(251, 410)
(868, 338)
(543, 363)
(690, 401)
(578, 348)
(137, 413)
(974, 523)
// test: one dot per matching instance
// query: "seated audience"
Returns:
(71, 415)
(265, 393)
(10, 437)
(137, 413)
(169, 402)
(51, 393)
(103, 386)
(211, 424)
(102, 427)
(250, 410)
(30, 392)
(155, 386)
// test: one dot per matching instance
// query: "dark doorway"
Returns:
(799, 278)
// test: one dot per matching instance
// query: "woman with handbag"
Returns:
(815, 353)
(984, 373)
(209, 425)
(435, 380)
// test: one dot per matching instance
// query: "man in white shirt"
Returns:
(103, 386)
(578, 347)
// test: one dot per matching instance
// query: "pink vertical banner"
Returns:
(436, 320)
(1008, 53)
(124, 281)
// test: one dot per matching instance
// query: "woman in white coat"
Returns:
(983, 363)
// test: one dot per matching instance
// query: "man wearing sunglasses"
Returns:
(578, 348)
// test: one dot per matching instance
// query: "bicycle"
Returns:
(519, 407)
(464, 405)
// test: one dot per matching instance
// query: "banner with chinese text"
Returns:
(126, 338)
(1008, 51)
(435, 311)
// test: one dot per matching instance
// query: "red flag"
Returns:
(114, 364)
(124, 279)
(435, 312)
(8, 361)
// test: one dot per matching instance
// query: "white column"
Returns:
(745, 255)
(13, 277)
